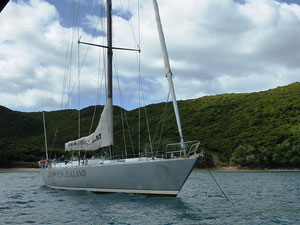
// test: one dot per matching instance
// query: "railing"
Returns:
(173, 150)
(190, 148)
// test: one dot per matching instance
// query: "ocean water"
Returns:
(255, 198)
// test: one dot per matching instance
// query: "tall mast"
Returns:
(109, 50)
(104, 134)
(168, 69)
(109, 100)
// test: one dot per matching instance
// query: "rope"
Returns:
(216, 182)
(147, 122)
(68, 65)
(139, 113)
(97, 103)
(122, 103)
(91, 12)
(124, 138)
(139, 65)
(84, 58)
(162, 120)
(78, 89)
(98, 98)
(130, 23)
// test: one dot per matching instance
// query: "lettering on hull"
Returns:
(70, 173)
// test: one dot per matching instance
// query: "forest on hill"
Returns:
(260, 129)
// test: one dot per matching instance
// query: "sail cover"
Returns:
(102, 137)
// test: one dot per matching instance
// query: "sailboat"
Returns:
(164, 175)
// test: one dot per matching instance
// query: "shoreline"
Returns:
(241, 169)
(19, 170)
(215, 169)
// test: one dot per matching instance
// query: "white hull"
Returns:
(143, 176)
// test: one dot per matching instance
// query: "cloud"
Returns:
(33, 56)
(218, 46)
(24, 46)
(215, 46)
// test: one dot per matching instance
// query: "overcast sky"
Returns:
(215, 47)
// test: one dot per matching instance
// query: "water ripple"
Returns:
(255, 198)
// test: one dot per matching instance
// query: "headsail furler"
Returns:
(168, 69)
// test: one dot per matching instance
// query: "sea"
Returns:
(254, 198)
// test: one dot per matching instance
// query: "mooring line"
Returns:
(215, 181)
(218, 184)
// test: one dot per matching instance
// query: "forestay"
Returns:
(167, 69)
(102, 136)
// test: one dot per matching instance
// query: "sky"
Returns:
(215, 47)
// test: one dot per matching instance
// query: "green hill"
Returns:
(259, 129)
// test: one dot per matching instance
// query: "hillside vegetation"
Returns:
(259, 129)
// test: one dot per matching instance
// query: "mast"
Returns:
(109, 100)
(45, 134)
(103, 135)
(168, 69)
